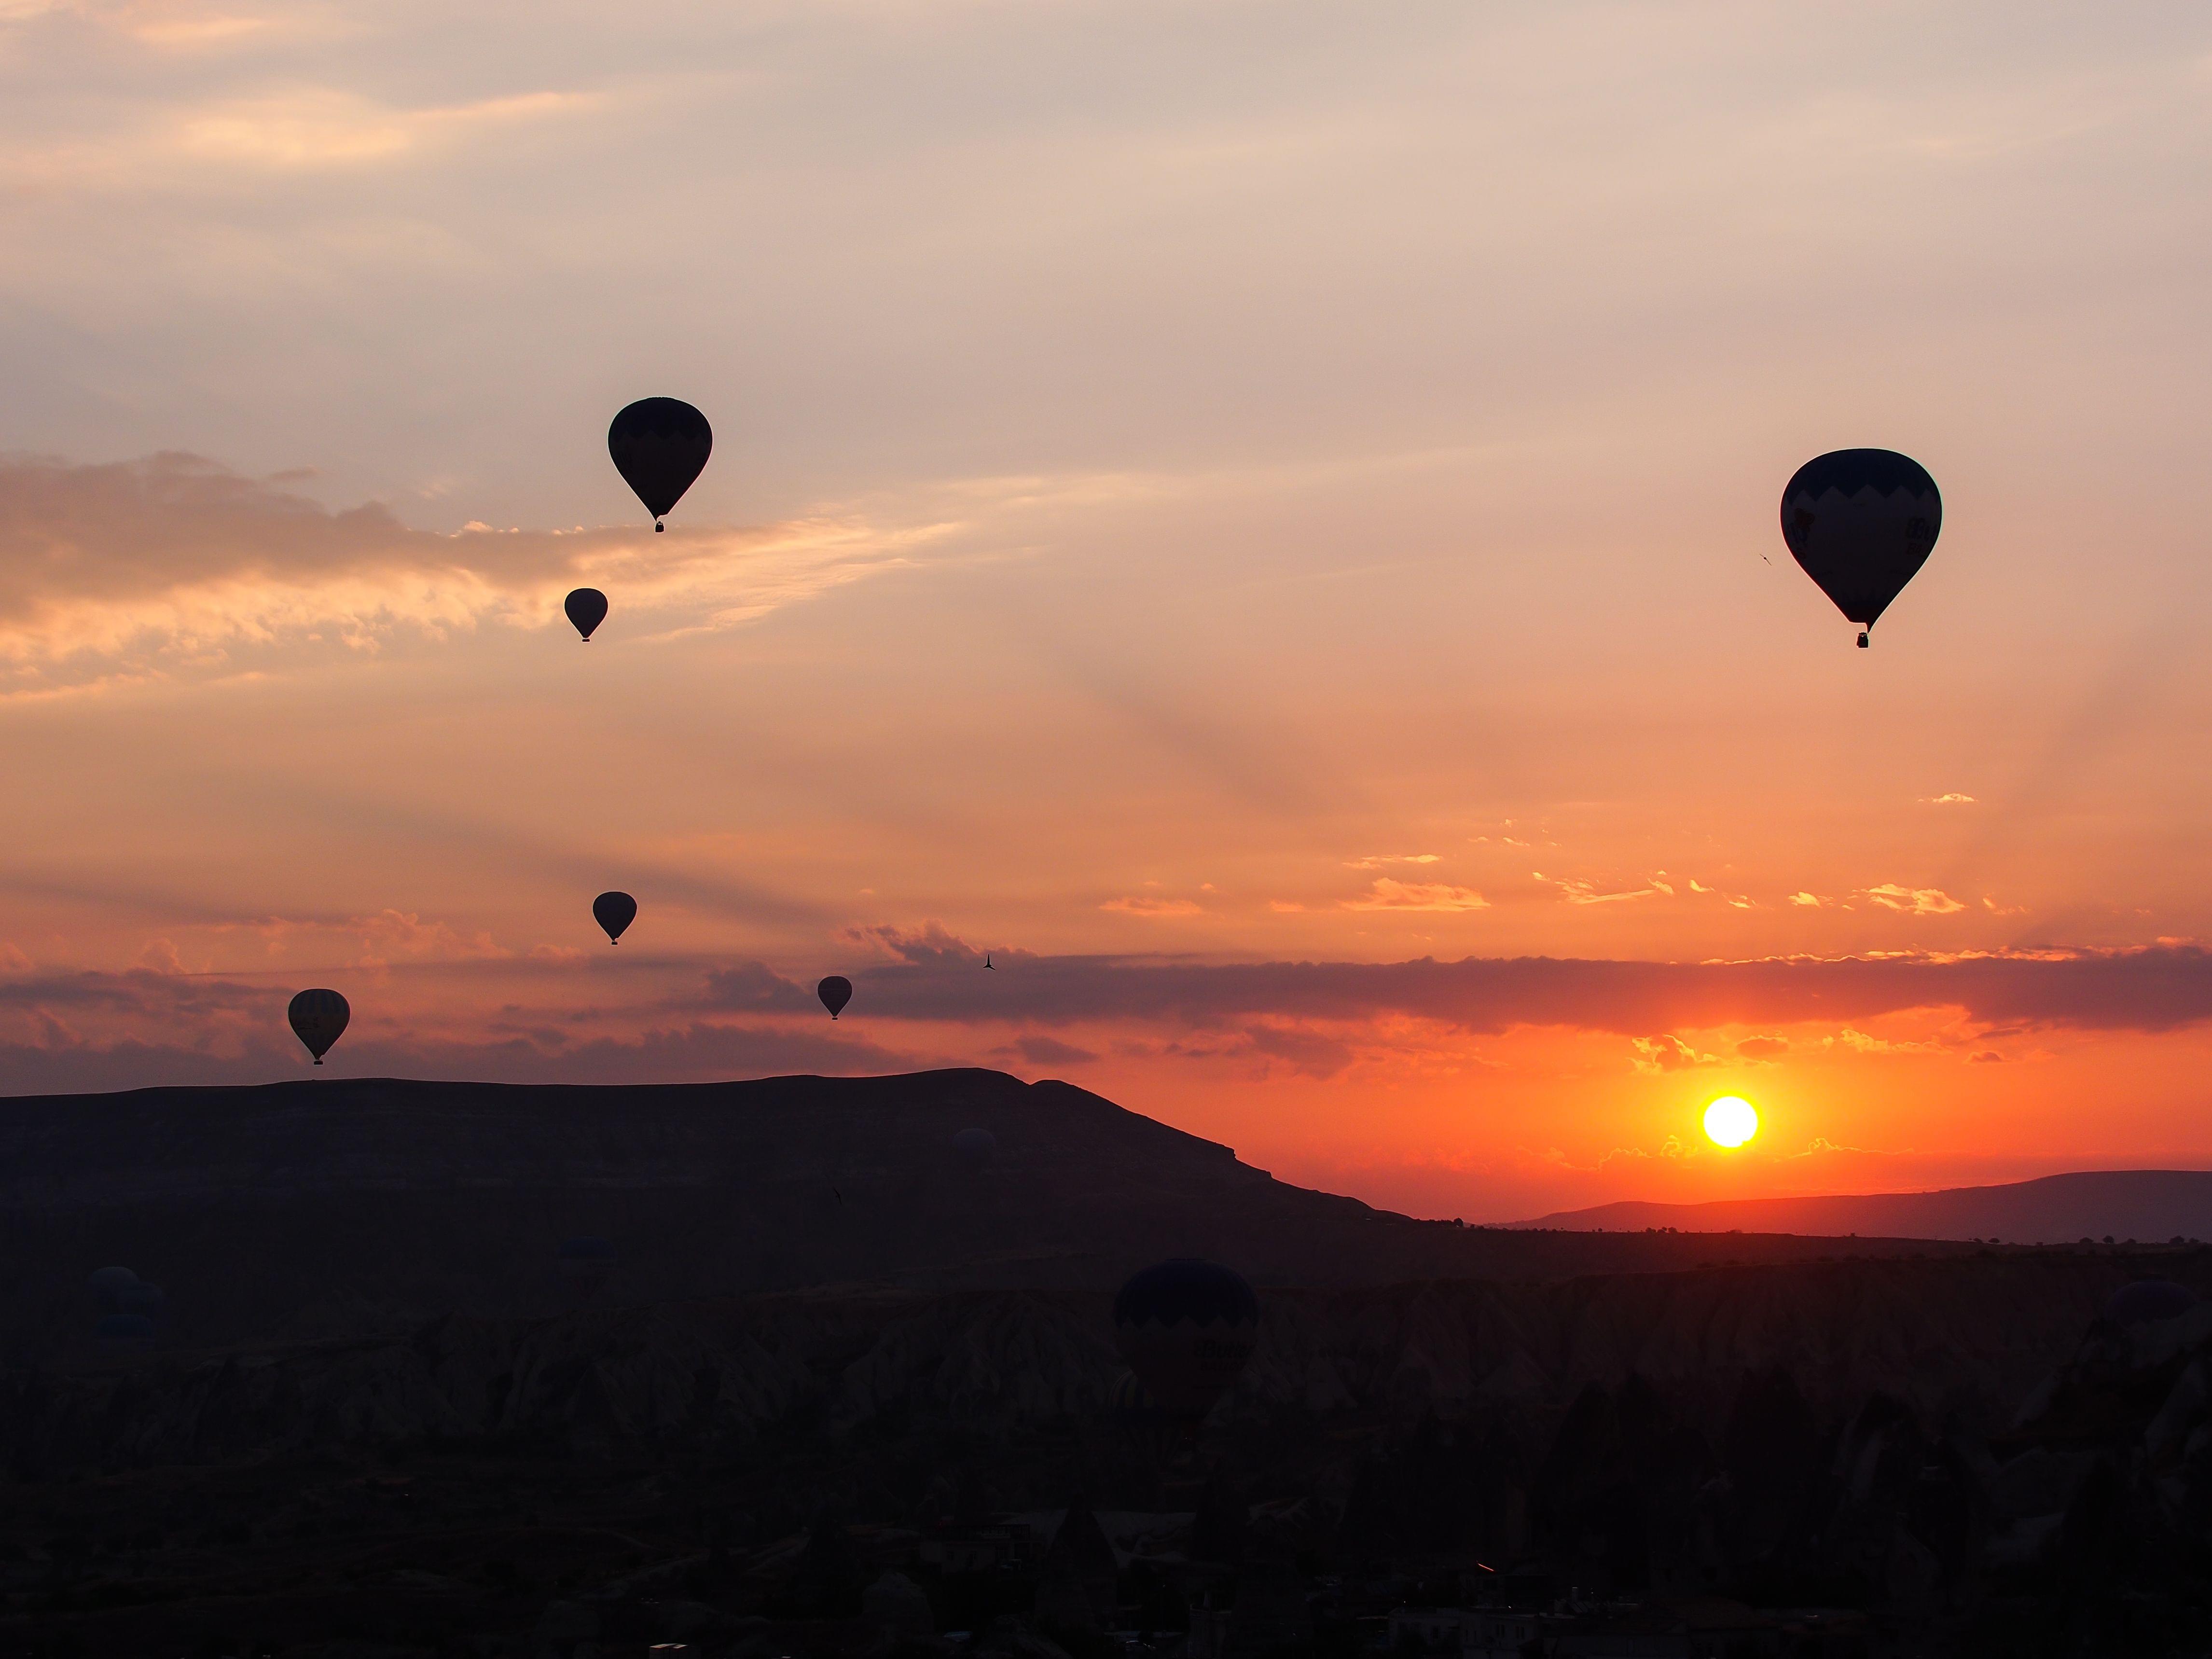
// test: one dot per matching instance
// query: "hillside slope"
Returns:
(2150, 1205)
(312, 1209)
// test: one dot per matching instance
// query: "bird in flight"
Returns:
(987, 962)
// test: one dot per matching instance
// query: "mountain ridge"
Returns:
(343, 1206)
(2150, 1205)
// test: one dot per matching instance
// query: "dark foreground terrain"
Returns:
(835, 1393)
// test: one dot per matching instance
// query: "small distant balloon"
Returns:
(836, 992)
(588, 609)
(614, 912)
(660, 445)
(1860, 523)
(975, 1147)
(319, 1019)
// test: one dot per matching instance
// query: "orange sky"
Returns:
(1198, 486)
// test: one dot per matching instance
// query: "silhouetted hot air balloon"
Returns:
(614, 912)
(1187, 1328)
(1860, 522)
(975, 1147)
(588, 609)
(659, 445)
(2147, 1300)
(319, 1019)
(836, 992)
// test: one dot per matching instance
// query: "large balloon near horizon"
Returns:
(614, 912)
(1730, 1121)
(836, 992)
(588, 609)
(1187, 1328)
(319, 1019)
(1860, 523)
(660, 445)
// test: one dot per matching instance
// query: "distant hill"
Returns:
(2152, 1206)
(335, 1208)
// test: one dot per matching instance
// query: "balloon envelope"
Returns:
(1860, 522)
(836, 992)
(319, 1019)
(2147, 1300)
(1187, 1328)
(614, 912)
(659, 445)
(975, 1147)
(586, 608)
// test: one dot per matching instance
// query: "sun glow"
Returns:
(1730, 1121)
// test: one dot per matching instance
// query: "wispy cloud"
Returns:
(1577, 891)
(1143, 905)
(1913, 901)
(174, 565)
(1389, 895)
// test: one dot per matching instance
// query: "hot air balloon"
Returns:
(1860, 523)
(1186, 1327)
(319, 1019)
(2147, 1300)
(588, 609)
(614, 912)
(659, 445)
(975, 1147)
(836, 992)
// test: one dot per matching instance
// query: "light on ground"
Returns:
(1730, 1121)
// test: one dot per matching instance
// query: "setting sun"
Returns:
(1730, 1121)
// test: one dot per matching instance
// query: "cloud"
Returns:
(325, 127)
(1809, 900)
(1308, 1015)
(754, 987)
(1670, 1053)
(1309, 1054)
(1913, 901)
(1762, 1048)
(1376, 860)
(1952, 800)
(1047, 1051)
(1389, 895)
(1584, 892)
(2142, 989)
(1862, 1042)
(1143, 906)
(171, 564)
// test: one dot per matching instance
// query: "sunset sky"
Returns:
(1261, 516)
